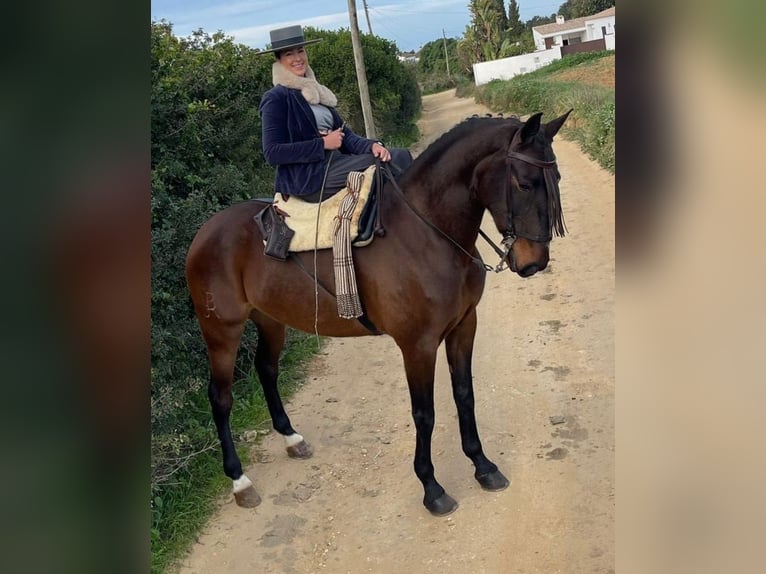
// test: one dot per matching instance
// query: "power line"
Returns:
(367, 14)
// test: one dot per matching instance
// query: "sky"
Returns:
(408, 23)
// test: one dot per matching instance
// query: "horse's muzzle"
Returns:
(528, 257)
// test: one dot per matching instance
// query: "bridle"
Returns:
(555, 214)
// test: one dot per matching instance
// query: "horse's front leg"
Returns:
(459, 347)
(419, 365)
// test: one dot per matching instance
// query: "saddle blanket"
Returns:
(301, 216)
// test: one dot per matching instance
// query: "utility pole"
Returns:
(446, 55)
(361, 73)
(367, 15)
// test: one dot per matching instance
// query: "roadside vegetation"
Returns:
(206, 155)
(570, 82)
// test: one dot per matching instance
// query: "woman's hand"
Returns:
(333, 140)
(380, 152)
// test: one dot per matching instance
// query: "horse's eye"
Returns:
(525, 187)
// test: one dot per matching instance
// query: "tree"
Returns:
(432, 66)
(579, 8)
(393, 88)
(431, 56)
(515, 27)
(484, 37)
(499, 7)
(539, 21)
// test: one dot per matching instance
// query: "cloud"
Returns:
(258, 36)
(249, 22)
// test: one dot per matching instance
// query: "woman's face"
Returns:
(295, 60)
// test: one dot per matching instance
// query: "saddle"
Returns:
(298, 225)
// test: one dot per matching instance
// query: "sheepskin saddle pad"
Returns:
(301, 217)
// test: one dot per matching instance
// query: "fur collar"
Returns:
(313, 91)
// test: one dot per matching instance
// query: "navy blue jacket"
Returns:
(292, 142)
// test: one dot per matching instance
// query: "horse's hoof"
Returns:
(247, 498)
(442, 506)
(494, 481)
(300, 450)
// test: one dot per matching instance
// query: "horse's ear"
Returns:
(553, 126)
(528, 131)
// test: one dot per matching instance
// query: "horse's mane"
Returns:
(468, 126)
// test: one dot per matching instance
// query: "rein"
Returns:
(476, 260)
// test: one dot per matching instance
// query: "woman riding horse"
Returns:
(303, 135)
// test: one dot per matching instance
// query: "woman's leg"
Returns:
(341, 164)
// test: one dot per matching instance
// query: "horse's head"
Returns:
(519, 186)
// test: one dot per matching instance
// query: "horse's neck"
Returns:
(440, 192)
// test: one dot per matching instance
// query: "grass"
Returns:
(569, 61)
(591, 124)
(186, 504)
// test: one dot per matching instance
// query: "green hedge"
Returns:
(206, 155)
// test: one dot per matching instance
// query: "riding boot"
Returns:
(278, 242)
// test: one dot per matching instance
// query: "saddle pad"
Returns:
(302, 216)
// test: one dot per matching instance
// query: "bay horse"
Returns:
(419, 283)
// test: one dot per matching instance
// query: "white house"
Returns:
(552, 41)
(408, 56)
(576, 31)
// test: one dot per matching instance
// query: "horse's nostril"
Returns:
(529, 270)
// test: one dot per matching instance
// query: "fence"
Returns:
(590, 46)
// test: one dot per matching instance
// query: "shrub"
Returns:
(206, 155)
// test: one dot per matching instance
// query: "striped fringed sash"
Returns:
(349, 305)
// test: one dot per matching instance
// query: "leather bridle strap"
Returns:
(531, 160)
(555, 214)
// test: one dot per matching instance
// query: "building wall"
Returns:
(594, 30)
(545, 42)
(507, 68)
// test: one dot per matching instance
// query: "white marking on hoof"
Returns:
(293, 439)
(242, 483)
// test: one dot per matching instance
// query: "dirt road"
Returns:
(544, 349)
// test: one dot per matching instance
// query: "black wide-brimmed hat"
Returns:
(286, 38)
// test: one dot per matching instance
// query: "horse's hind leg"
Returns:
(222, 343)
(459, 347)
(271, 340)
